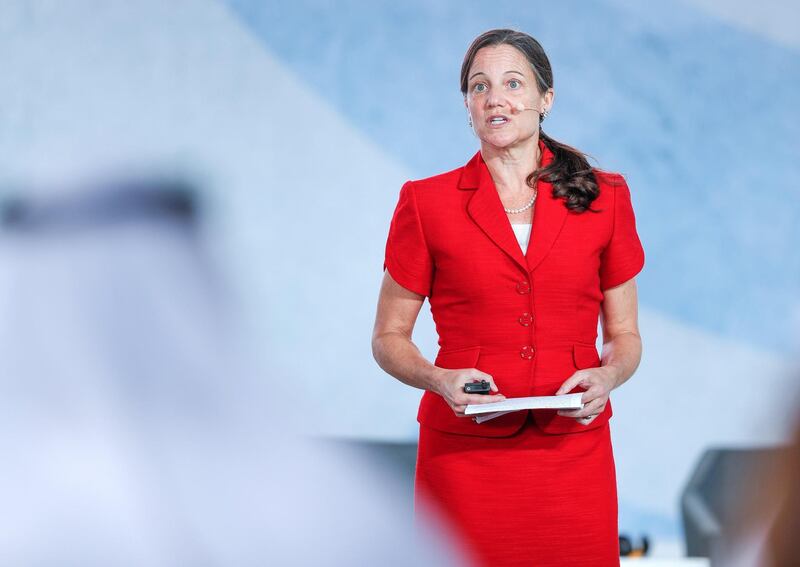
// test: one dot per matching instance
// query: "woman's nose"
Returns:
(495, 99)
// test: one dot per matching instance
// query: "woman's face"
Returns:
(502, 96)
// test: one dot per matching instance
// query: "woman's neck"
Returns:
(510, 166)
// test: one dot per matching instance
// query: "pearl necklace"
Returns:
(523, 208)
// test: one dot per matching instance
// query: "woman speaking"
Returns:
(519, 252)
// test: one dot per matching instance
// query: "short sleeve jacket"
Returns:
(528, 319)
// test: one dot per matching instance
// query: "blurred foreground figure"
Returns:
(134, 431)
(768, 533)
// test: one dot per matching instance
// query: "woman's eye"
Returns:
(514, 84)
(479, 88)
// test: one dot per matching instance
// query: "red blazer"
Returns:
(529, 320)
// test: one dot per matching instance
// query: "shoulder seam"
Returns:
(411, 187)
(433, 179)
(613, 210)
(612, 178)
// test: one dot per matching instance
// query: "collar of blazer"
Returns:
(486, 209)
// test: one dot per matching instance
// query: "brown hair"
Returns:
(569, 172)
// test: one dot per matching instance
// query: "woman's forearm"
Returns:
(397, 355)
(621, 356)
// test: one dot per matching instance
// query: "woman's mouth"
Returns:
(497, 120)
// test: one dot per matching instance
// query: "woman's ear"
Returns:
(549, 97)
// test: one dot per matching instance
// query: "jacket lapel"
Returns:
(486, 210)
(549, 214)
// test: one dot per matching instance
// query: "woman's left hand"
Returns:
(598, 383)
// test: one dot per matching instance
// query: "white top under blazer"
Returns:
(523, 233)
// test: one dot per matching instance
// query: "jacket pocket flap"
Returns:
(585, 356)
(458, 358)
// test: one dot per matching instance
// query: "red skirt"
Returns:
(531, 499)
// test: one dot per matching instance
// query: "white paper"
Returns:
(487, 416)
(485, 412)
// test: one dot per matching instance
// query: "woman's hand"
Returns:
(450, 385)
(598, 383)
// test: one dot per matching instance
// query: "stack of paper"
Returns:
(486, 412)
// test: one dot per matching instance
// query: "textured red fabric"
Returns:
(528, 488)
(528, 320)
(532, 499)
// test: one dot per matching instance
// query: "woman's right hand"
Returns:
(450, 385)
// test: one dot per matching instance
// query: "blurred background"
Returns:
(195, 200)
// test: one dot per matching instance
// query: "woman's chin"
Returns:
(503, 140)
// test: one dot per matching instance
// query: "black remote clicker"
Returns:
(481, 387)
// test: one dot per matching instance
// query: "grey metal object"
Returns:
(395, 458)
(101, 205)
(718, 492)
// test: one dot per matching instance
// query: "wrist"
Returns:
(614, 374)
(435, 379)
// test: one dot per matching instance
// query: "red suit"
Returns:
(530, 487)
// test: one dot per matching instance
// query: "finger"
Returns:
(581, 381)
(593, 408)
(576, 412)
(585, 399)
(590, 418)
(569, 384)
(479, 398)
(587, 409)
(583, 418)
(489, 399)
(595, 392)
(489, 378)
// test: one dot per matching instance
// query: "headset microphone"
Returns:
(519, 107)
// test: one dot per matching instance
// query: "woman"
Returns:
(518, 306)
